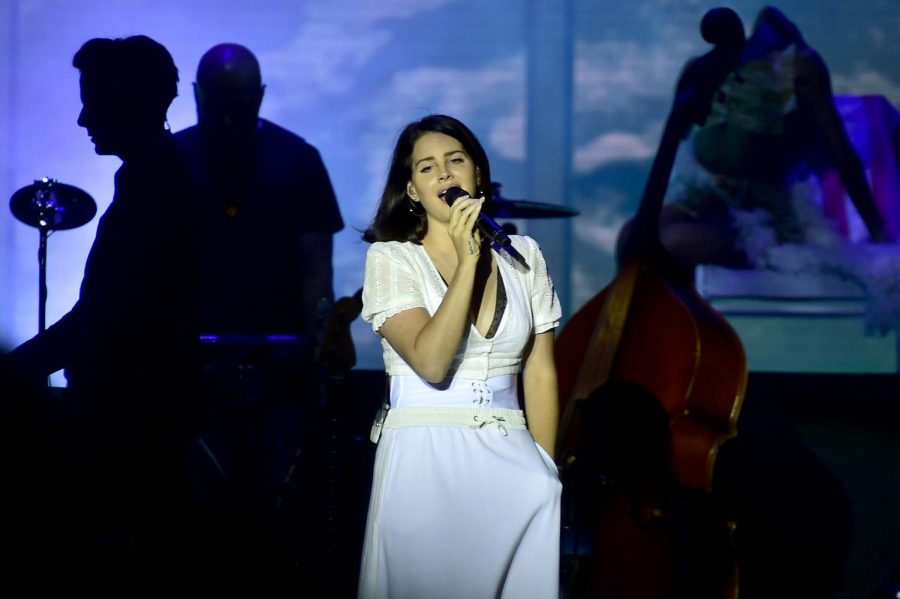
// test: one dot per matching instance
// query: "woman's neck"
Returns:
(438, 243)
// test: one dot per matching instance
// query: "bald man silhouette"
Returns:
(269, 202)
(269, 214)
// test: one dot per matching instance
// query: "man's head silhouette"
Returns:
(228, 91)
(127, 85)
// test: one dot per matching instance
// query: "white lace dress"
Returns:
(464, 502)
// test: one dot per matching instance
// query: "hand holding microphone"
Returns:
(487, 226)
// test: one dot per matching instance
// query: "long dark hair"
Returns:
(395, 220)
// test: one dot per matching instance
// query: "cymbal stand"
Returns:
(45, 203)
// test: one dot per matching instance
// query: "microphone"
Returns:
(488, 227)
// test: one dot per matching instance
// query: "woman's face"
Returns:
(439, 162)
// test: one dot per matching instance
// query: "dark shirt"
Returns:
(129, 344)
(267, 209)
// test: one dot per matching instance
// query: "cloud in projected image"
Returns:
(617, 78)
(333, 46)
(866, 80)
(599, 226)
(489, 98)
(612, 147)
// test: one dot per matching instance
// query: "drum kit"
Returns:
(50, 206)
(242, 374)
(515, 209)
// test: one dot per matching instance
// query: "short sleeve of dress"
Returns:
(391, 284)
(545, 305)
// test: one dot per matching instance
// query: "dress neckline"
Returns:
(501, 301)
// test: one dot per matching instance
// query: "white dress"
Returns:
(464, 503)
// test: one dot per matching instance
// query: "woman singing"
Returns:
(466, 496)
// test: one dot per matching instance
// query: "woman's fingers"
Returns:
(471, 214)
(463, 215)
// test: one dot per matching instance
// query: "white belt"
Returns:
(501, 419)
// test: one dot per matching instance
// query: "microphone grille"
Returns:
(453, 194)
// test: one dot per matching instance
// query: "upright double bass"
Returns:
(649, 325)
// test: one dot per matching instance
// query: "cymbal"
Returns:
(50, 205)
(504, 208)
(507, 208)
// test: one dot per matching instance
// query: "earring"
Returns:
(412, 207)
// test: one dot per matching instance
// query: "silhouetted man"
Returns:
(269, 207)
(268, 217)
(128, 344)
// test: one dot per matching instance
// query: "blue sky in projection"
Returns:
(347, 74)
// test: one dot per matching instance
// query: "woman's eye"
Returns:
(426, 169)
(457, 160)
